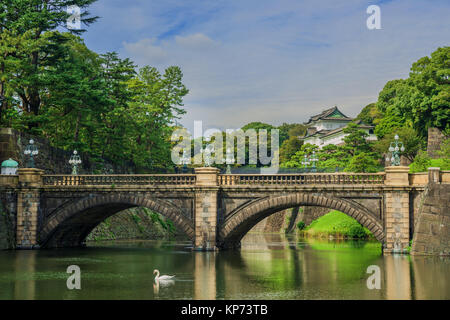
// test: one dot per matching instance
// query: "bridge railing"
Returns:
(315, 178)
(445, 176)
(9, 180)
(118, 180)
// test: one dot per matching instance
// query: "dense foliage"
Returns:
(420, 101)
(52, 85)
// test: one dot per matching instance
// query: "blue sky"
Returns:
(272, 61)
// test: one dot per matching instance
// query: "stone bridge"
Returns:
(214, 210)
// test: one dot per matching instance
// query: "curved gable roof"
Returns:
(329, 114)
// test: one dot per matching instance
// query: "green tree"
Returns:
(422, 100)
(77, 96)
(332, 157)
(290, 130)
(411, 141)
(362, 162)
(258, 126)
(156, 104)
(421, 163)
(289, 139)
(289, 148)
(430, 77)
(115, 135)
(356, 139)
(35, 19)
(370, 114)
(296, 160)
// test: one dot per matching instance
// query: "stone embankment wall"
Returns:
(8, 211)
(51, 160)
(432, 231)
(280, 221)
(309, 214)
(136, 223)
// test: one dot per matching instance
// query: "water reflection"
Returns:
(24, 267)
(397, 277)
(268, 266)
(205, 276)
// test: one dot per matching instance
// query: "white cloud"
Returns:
(196, 41)
(145, 52)
(280, 61)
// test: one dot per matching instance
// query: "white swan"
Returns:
(163, 281)
(163, 277)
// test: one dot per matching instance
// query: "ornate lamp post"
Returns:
(207, 152)
(314, 159)
(305, 162)
(395, 148)
(229, 160)
(31, 150)
(75, 161)
(185, 160)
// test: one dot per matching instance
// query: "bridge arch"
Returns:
(238, 224)
(71, 224)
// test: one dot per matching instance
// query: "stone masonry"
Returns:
(206, 209)
(216, 211)
(435, 138)
(397, 210)
(432, 232)
(27, 208)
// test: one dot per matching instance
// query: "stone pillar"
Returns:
(434, 175)
(397, 210)
(30, 181)
(205, 220)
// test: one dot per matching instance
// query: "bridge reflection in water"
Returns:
(269, 266)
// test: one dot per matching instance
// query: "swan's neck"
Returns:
(157, 274)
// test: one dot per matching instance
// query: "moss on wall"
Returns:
(135, 223)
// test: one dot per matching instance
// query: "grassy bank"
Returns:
(337, 225)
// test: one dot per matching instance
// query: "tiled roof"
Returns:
(327, 113)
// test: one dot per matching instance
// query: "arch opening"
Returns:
(69, 226)
(242, 221)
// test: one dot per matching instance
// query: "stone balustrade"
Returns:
(118, 180)
(414, 179)
(309, 178)
(9, 180)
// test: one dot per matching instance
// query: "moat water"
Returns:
(268, 266)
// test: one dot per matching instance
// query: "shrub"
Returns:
(301, 225)
(408, 248)
(357, 231)
(421, 162)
